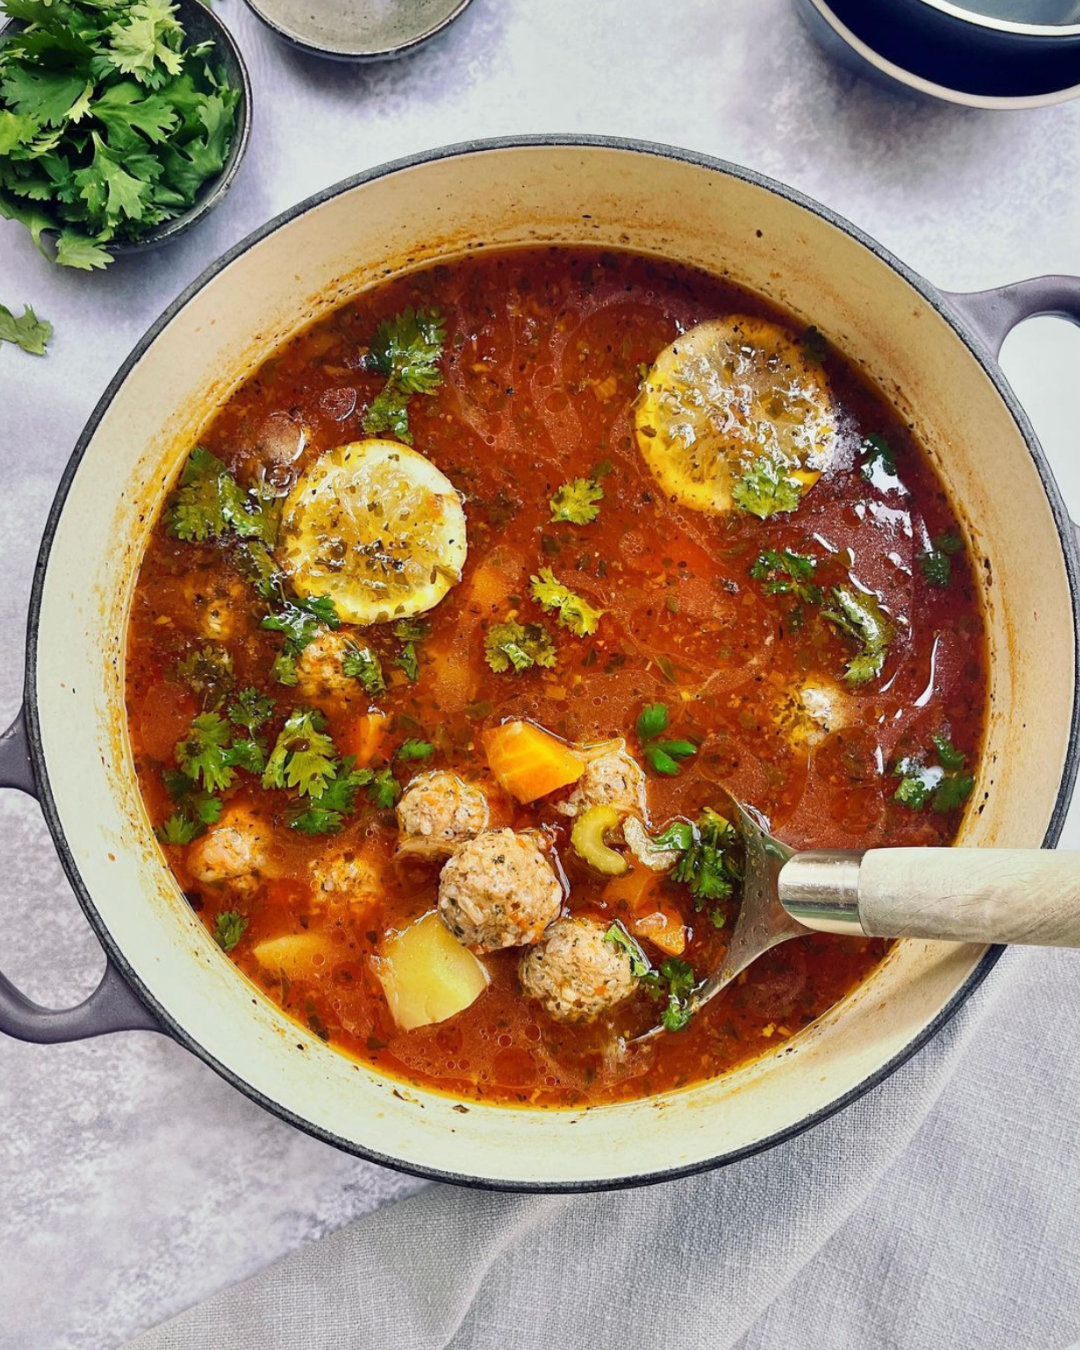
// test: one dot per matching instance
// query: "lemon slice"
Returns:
(377, 528)
(733, 414)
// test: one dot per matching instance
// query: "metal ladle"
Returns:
(982, 895)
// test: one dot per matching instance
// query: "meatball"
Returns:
(345, 878)
(575, 974)
(319, 673)
(235, 850)
(218, 605)
(437, 812)
(614, 778)
(498, 890)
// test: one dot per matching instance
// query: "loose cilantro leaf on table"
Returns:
(518, 647)
(406, 350)
(766, 490)
(575, 612)
(229, 928)
(663, 756)
(576, 502)
(860, 617)
(362, 664)
(27, 331)
(111, 122)
(304, 756)
(943, 786)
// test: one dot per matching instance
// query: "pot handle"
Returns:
(113, 1006)
(995, 313)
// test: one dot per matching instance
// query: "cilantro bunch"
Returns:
(111, 123)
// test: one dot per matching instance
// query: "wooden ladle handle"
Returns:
(1027, 896)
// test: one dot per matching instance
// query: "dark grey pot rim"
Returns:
(358, 55)
(929, 293)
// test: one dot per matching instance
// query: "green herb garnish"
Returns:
(196, 808)
(935, 562)
(361, 663)
(209, 755)
(943, 786)
(110, 122)
(663, 756)
(304, 756)
(229, 929)
(250, 710)
(27, 331)
(879, 466)
(860, 616)
(784, 572)
(576, 501)
(209, 503)
(674, 980)
(764, 490)
(617, 936)
(207, 671)
(575, 613)
(325, 812)
(406, 350)
(411, 750)
(518, 647)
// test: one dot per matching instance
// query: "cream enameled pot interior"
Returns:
(596, 194)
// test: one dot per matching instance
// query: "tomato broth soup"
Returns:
(468, 611)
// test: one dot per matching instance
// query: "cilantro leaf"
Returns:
(411, 750)
(575, 613)
(879, 466)
(304, 756)
(406, 350)
(179, 830)
(860, 617)
(705, 867)
(203, 754)
(662, 756)
(326, 812)
(384, 789)
(207, 671)
(943, 787)
(361, 663)
(408, 661)
(675, 979)
(518, 647)
(209, 502)
(936, 561)
(229, 928)
(250, 710)
(617, 936)
(785, 572)
(764, 490)
(27, 331)
(576, 501)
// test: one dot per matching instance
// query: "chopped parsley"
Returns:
(208, 673)
(785, 572)
(880, 462)
(943, 786)
(860, 617)
(412, 750)
(384, 789)
(250, 710)
(361, 663)
(304, 756)
(576, 502)
(764, 490)
(518, 647)
(663, 756)
(27, 331)
(209, 755)
(674, 981)
(935, 563)
(301, 621)
(195, 809)
(209, 503)
(229, 929)
(704, 867)
(575, 613)
(325, 812)
(618, 937)
(111, 123)
(179, 829)
(409, 632)
(406, 350)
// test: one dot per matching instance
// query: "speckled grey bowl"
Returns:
(357, 30)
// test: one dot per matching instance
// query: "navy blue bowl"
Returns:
(940, 48)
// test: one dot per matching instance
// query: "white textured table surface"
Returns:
(132, 1180)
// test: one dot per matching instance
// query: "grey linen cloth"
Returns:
(941, 1210)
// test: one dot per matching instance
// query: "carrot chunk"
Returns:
(365, 737)
(663, 927)
(529, 762)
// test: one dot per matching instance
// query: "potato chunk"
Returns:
(427, 975)
(299, 955)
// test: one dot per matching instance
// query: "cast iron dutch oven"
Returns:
(933, 354)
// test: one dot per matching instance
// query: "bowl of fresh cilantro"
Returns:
(122, 122)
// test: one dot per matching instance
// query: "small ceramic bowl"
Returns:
(980, 53)
(357, 30)
(201, 25)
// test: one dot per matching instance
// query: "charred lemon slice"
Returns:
(734, 414)
(377, 528)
